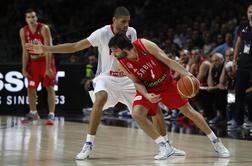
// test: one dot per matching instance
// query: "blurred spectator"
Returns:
(200, 69)
(223, 47)
(90, 70)
(219, 96)
(208, 43)
(74, 59)
(184, 59)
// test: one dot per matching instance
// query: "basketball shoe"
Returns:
(220, 149)
(165, 150)
(178, 152)
(30, 117)
(50, 119)
(85, 152)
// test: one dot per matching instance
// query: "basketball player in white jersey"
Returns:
(110, 85)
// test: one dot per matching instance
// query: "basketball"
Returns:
(188, 86)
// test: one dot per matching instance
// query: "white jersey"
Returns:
(100, 38)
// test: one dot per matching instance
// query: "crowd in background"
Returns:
(172, 24)
(193, 32)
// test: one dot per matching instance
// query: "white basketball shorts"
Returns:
(119, 89)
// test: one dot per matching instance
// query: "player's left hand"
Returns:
(153, 98)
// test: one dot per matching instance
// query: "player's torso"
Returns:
(107, 62)
(34, 37)
(245, 58)
(147, 68)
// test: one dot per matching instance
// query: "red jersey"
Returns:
(34, 38)
(37, 62)
(153, 73)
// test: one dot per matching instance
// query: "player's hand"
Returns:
(49, 73)
(34, 48)
(153, 98)
(26, 74)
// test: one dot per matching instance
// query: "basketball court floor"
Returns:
(39, 145)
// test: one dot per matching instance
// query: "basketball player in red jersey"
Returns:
(150, 70)
(38, 67)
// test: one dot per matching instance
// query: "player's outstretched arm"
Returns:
(60, 48)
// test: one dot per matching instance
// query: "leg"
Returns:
(159, 123)
(33, 114)
(140, 115)
(199, 121)
(51, 105)
(51, 98)
(94, 121)
(242, 81)
(32, 98)
(196, 117)
(95, 117)
(249, 103)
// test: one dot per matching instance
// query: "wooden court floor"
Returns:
(40, 145)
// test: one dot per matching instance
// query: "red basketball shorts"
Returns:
(169, 95)
(36, 69)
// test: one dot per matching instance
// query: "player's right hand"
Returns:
(153, 98)
(34, 48)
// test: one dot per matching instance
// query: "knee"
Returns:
(138, 113)
(187, 111)
(101, 98)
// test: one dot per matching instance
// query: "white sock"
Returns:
(52, 113)
(166, 137)
(90, 138)
(33, 111)
(212, 136)
(160, 139)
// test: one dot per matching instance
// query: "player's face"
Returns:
(117, 52)
(249, 13)
(31, 18)
(121, 23)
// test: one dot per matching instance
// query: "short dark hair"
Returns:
(120, 40)
(29, 11)
(121, 11)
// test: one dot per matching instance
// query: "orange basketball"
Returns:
(188, 86)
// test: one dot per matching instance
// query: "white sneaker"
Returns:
(165, 150)
(85, 152)
(220, 149)
(178, 152)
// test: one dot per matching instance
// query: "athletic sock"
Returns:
(90, 138)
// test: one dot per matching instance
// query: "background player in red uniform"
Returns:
(149, 68)
(38, 67)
